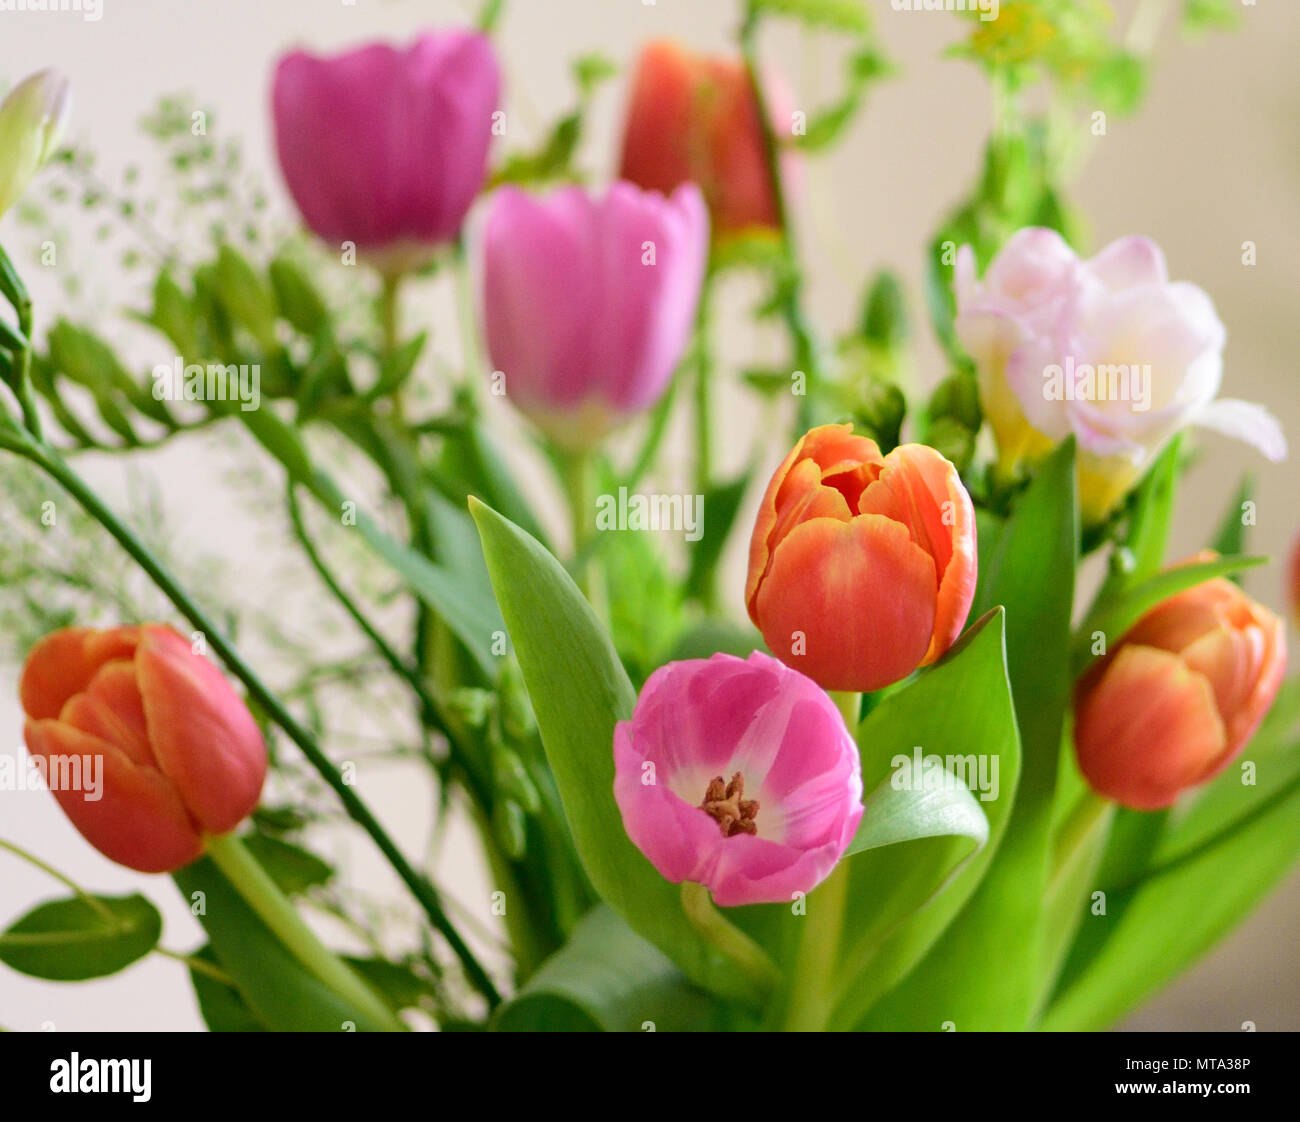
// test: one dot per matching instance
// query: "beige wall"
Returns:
(1211, 161)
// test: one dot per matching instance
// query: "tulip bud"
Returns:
(387, 148)
(32, 119)
(1107, 349)
(1175, 701)
(694, 119)
(177, 753)
(589, 303)
(738, 774)
(861, 566)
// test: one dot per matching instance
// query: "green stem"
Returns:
(812, 982)
(96, 905)
(1078, 825)
(791, 305)
(49, 461)
(579, 472)
(261, 894)
(748, 956)
(198, 965)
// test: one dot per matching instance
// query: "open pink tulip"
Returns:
(387, 148)
(588, 303)
(738, 774)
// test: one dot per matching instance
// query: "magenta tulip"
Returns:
(738, 774)
(387, 148)
(588, 303)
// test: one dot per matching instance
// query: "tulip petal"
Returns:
(203, 736)
(1244, 420)
(64, 662)
(138, 821)
(1148, 729)
(852, 605)
(112, 709)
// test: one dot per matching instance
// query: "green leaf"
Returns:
(1178, 911)
(916, 802)
(275, 987)
(72, 940)
(220, 1005)
(246, 296)
(579, 691)
(293, 868)
(901, 898)
(607, 978)
(1153, 513)
(298, 300)
(399, 985)
(1230, 537)
(398, 366)
(835, 15)
(721, 505)
(1032, 574)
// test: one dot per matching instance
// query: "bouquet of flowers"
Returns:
(908, 747)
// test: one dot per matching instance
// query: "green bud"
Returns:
(32, 119)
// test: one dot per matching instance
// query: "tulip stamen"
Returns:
(726, 805)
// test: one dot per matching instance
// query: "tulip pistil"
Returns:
(725, 804)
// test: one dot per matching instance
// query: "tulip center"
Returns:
(726, 805)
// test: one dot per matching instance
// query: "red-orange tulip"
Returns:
(694, 118)
(181, 755)
(862, 566)
(1175, 701)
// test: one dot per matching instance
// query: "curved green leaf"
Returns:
(579, 691)
(606, 978)
(72, 940)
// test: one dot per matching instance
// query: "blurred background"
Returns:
(1210, 161)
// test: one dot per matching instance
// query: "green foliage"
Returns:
(80, 937)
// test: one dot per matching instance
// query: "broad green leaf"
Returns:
(1032, 574)
(276, 988)
(901, 898)
(1179, 911)
(607, 978)
(71, 940)
(579, 691)
(1117, 615)
(222, 1007)
(917, 802)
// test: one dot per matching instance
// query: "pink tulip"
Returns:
(387, 148)
(588, 303)
(738, 774)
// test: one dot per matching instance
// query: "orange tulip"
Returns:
(177, 754)
(862, 566)
(694, 118)
(1175, 701)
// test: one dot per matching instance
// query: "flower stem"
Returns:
(54, 465)
(579, 470)
(752, 960)
(96, 905)
(273, 907)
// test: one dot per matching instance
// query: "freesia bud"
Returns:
(861, 566)
(589, 303)
(1108, 349)
(177, 753)
(694, 119)
(387, 148)
(32, 119)
(738, 774)
(1176, 700)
